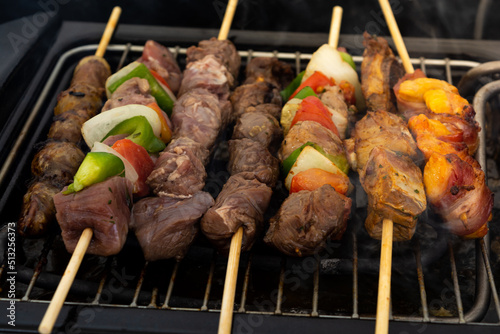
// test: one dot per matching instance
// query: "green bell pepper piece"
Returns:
(305, 92)
(95, 168)
(288, 91)
(140, 70)
(140, 132)
(348, 59)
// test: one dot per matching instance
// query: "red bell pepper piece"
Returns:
(315, 178)
(317, 81)
(312, 109)
(166, 132)
(140, 160)
(159, 78)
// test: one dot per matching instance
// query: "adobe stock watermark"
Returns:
(32, 26)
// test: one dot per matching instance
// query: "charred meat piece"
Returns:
(67, 126)
(91, 70)
(270, 70)
(159, 59)
(246, 155)
(80, 96)
(380, 71)
(197, 115)
(242, 202)
(104, 207)
(395, 191)
(57, 162)
(259, 127)
(38, 209)
(177, 173)
(457, 190)
(379, 129)
(132, 91)
(308, 131)
(166, 226)
(185, 143)
(223, 50)
(307, 219)
(251, 95)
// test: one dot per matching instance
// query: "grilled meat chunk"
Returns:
(242, 202)
(259, 127)
(91, 70)
(67, 126)
(457, 190)
(104, 207)
(132, 91)
(197, 115)
(270, 70)
(57, 162)
(80, 96)
(308, 131)
(254, 94)
(187, 143)
(333, 98)
(380, 71)
(267, 108)
(307, 219)
(166, 226)
(159, 59)
(395, 191)
(223, 50)
(379, 128)
(246, 155)
(38, 209)
(177, 173)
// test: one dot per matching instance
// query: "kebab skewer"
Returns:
(313, 158)
(60, 295)
(453, 180)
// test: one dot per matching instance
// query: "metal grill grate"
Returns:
(340, 283)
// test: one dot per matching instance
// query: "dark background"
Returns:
(417, 18)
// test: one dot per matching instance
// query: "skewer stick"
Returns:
(384, 281)
(68, 277)
(233, 262)
(333, 38)
(396, 35)
(227, 20)
(384, 287)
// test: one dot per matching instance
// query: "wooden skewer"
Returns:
(333, 38)
(227, 20)
(68, 277)
(233, 262)
(384, 287)
(396, 35)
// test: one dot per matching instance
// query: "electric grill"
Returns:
(439, 282)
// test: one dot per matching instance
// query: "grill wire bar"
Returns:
(298, 58)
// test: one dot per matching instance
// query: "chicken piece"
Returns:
(434, 137)
(241, 203)
(104, 207)
(457, 190)
(379, 129)
(246, 155)
(380, 71)
(166, 226)
(307, 220)
(395, 191)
